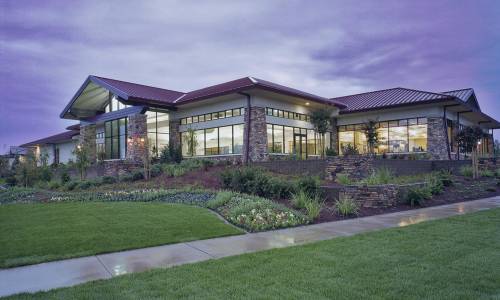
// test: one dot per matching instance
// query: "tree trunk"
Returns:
(475, 171)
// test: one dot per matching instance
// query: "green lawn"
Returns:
(456, 258)
(32, 233)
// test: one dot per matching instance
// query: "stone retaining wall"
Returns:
(120, 167)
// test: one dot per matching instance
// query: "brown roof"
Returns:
(53, 139)
(388, 98)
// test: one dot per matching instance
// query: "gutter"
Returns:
(247, 128)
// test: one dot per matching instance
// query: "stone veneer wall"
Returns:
(437, 145)
(174, 136)
(137, 138)
(257, 139)
(118, 167)
(87, 140)
(356, 166)
(378, 196)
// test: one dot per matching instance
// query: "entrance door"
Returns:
(300, 146)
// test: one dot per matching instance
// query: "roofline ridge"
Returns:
(421, 91)
(149, 86)
(382, 90)
(458, 90)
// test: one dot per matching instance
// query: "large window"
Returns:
(283, 139)
(158, 130)
(213, 116)
(114, 105)
(213, 141)
(287, 114)
(397, 136)
(116, 139)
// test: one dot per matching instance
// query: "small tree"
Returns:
(82, 161)
(146, 160)
(371, 133)
(467, 140)
(191, 142)
(26, 170)
(321, 120)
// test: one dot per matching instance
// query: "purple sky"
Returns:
(331, 48)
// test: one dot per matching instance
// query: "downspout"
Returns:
(445, 125)
(247, 128)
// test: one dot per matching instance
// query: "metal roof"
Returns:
(463, 94)
(388, 98)
(53, 139)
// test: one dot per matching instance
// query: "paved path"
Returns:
(69, 272)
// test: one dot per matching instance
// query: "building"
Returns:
(250, 119)
(56, 148)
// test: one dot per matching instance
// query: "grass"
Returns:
(33, 233)
(455, 258)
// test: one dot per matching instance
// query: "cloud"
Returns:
(331, 48)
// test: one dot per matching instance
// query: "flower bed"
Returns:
(257, 214)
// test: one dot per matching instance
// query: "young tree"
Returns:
(82, 161)
(146, 160)
(191, 142)
(371, 133)
(26, 170)
(321, 120)
(467, 140)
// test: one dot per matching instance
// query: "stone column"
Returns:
(137, 138)
(436, 139)
(87, 141)
(257, 139)
(174, 136)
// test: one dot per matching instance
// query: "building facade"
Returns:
(250, 119)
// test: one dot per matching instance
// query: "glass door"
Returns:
(300, 146)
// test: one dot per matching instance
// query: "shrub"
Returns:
(466, 171)
(221, 199)
(70, 185)
(11, 180)
(126, 177)
(487, 173)
(330, 152)
(250, 180)
(379, 176)
(85, 184)
(350, 150)
(491, 189)
(308, 184)
(108, 180)
(156, 170)
(346, 205)
(418, 195)
(171, 154)
(434, 184)
(137, 175)
(54, 185)
(65, 176)
(300, 199)
(313, 208)
(445, 177)
(45, 174)
(344, 179)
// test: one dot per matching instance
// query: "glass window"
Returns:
(288, 140)
(311, 142)
(215, 116)
(360, 141)
(199, 145)
(345, 138)
(383, 139)
(238, 138)
(195, 119)
(161, 141)
(116, 139)
(236, 112)
(269, 138)
(211, 141)
(183, 121)
(277, 139)
(185, 143)
(417, 135)
(208, 117)
(221, 114)
(398, 139)
(226, 140)
(201, 118)
(229, 113)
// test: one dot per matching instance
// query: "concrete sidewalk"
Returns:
(69, 272)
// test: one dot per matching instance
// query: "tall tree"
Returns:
(82, 160)
(467, 139)
(321, 120)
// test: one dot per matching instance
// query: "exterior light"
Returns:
(479, 142)
(307, 103)
(142, 140)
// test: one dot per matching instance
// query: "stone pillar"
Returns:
(174, 136)
(137, 138)
(257, 139)
(335, 135)
(436, 139)
(87, 141)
